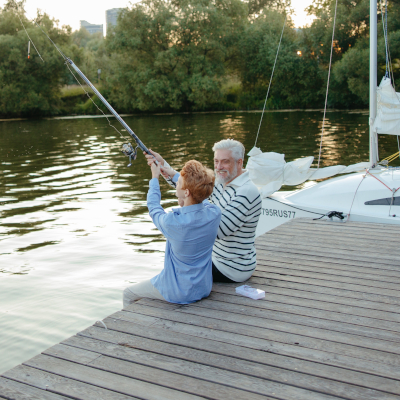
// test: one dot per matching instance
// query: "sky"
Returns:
(93, 11)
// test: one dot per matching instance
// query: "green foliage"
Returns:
(27, 87)
(256, 6)
(349, 86)
(171, 55)
(92, 42)
(181, 55)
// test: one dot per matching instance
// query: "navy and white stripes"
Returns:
(234, 252)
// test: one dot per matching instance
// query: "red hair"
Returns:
(198, 179)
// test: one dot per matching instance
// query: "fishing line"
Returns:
(84, 90)
(28, 35)
(127, 149)
(62, 54)
(77, 80)
(88, 95)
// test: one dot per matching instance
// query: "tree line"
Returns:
(197, 55)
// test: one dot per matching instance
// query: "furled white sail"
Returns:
(387, 119)
(269, 171)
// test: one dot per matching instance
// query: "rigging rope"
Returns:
(383, 183)
(393, 156)
(394, 190)
(385, 35)
(398, 145)
(355, 194)
(327, 85)
(270, 80)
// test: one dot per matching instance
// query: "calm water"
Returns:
(74, 226)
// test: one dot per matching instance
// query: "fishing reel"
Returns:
(130, 152)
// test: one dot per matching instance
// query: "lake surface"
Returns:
(74, 225)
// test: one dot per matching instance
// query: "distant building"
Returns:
(112, 17)
(91, 28)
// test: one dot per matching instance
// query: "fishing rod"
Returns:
(127, 148)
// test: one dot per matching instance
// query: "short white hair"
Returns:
(234, 146)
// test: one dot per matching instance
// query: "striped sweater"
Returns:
(234, 253)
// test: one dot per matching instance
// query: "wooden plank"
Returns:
(363, 226)
(245, 361)
(336, 232)
(300, 248)
(328, 328)
(330, 245)
(325, 259)
(266, 267)
(264, 264)
(106, 380)
(362, 230)
(199, 317)
(266, 277)
(251, 319)
(341, 270)
(314, 287)
(33, 379)
(268, 348)
(302, 316)
(337, 266)
(329, 239)
(371, 226)
(330, 307)
(203, 365)
(304, 231)
(157, 369)
(12, 390)
(179, 380)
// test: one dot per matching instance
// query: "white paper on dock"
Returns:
(248, 291)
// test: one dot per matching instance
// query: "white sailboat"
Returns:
(369, 192)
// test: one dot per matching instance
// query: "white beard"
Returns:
(229, 177)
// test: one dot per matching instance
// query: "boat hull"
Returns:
(360, 197)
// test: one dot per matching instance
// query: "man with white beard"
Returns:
(234, 253)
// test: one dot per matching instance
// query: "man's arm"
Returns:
(167, 172)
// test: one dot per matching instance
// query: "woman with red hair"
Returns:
(190, 232)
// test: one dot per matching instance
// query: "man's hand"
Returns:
(150, 158)
(155, 170)
(168, 172)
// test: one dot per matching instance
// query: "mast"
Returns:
(373, 72)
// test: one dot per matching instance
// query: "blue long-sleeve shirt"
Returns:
(190, 232)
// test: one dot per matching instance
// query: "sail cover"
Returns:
(269, 171)
(387, 119)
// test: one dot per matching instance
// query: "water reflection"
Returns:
(74, 224)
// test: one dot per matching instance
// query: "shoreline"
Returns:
(347, 111)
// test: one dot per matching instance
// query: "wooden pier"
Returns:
(328, 328)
